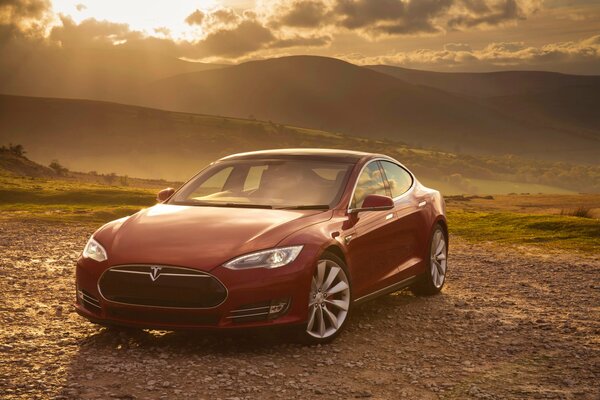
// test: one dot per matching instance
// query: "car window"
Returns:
(214, 184)
(253, 178)
(369, 182)
(398, 178)
(277, 183)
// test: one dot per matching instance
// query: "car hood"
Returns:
(199, 237)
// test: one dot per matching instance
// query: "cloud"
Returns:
(457, 47)
(19, 18)
(226, 17)
(495, 55)
(80, 7)
(487, 13)
(302, 13)
(195, 18)
(374, 18)
(91, 33)
(246, 37)
(163, 30)
(300, 41)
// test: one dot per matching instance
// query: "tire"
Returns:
(432, 281)
(329, 303)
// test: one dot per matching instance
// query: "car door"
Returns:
(409, 219)
(370, 240)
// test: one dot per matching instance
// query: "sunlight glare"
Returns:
(140, 15)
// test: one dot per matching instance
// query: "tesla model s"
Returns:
(292, 237)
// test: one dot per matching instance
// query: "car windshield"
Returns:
(285, 183)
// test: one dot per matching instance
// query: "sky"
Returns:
(438, 35)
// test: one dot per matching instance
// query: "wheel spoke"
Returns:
(441, 257)
(340, 287)
(331, 317)
(321, 322)
(332, 274)
(439, 267)
(341, 304)
(311, 319)
(321, 267)
(440, 247)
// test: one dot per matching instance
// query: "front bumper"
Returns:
(251, 294)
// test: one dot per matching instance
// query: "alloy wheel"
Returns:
(329, 300)
(438, 258)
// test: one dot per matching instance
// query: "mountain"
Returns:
(333, 95)
(142, 142)
(546, 100)
(539, 115)
(489, 84)
(99, 74)
(107, 137)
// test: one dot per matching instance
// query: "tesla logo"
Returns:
(155, 272)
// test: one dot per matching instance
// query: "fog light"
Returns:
(278, 307)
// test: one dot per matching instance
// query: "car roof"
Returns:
(319, 154)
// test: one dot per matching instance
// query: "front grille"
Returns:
(157, 317)
(251, 312)
(161, 286)
(90, 302)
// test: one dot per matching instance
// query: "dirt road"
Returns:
(509, 324)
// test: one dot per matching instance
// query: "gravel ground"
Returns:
(511, 323)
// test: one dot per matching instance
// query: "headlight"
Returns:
(273, 258)
(94, 250)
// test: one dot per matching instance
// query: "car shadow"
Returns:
(120, 357)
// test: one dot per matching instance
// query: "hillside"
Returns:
(149, 143)
(98, 74)
(14, 164)
(546, 100)
(333, 95)
(450, 112)
(489, 84)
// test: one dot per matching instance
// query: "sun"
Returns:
(155, 18)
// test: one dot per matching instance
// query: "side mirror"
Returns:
(376, 202)
(164, 194)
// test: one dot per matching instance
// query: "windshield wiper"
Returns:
(232, 205)
(306, 207)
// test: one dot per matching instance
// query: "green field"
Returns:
(544, 230)
(533, 220)
(50, 199)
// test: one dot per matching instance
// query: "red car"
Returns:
(268, 238)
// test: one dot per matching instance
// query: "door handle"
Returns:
(423, 203)
(389, 216)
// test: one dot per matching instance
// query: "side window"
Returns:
(212, 185)
(398, 178)
(369, 182)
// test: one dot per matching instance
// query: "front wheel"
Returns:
(433, 279)
(329, 301)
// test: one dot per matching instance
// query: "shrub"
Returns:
(58, 168)
(581, 212)
(110, 178)
(16, 149)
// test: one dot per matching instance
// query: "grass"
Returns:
(533, 220)
(61, 200)
(549, 231)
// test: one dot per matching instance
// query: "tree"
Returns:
(16, 149)
(58, 168)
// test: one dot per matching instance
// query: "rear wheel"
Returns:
(329, 301)
(433, 279)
